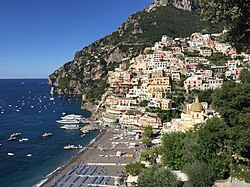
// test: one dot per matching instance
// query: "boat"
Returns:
(68, 147)
(70, 127)
(72, 117)
(46, 134)
(66, 121)
(83, 135)
(10, 154)
(52, 99)
(14, 136)
(23, 139)
(29, 155)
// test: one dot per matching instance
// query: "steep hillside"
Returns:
(87, 72)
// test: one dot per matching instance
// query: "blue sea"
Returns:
(26, 107)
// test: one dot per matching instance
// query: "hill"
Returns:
(87, 72)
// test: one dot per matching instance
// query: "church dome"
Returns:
(196, 106)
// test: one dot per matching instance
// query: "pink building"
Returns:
(146, 120)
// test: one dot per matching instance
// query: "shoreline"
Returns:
(70, 161)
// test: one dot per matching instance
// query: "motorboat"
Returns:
(23, 139)
(10, 154)
(14, 136)
(72, 117)
(67, 121)
(29, 155)
(70, 127)
(46, 134)
(67, 147)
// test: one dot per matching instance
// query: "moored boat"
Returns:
(68, 121)
(23, 139)
(70, 127)
(46, 134)
(10, 154)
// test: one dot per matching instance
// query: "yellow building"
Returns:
(159, 87)
(166, 104)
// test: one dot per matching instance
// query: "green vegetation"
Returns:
(203, 95)
(134, 168)
(151, 154)
(144, 103)
(221, 146)
(64, 82)
(168, 21)
(157, 176)
(168, 115)
(245, 76)
(218, 59)
(97, 89)
(148, 133)
(147, 142)
(199, 175)
(236, 15)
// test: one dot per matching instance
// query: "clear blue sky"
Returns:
(39, 36)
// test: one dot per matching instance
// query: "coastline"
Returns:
(48, 179)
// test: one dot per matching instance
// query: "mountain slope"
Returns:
(87, 72)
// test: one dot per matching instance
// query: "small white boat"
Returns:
(10, 154)
(72, 117)
(23, 139)
(13, 136)
(70, 127)
(67, 147)
(67, 121)
(29, 155)
(46, 134)
(83, 135)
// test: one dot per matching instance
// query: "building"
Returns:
(152, 121)
(193, 83)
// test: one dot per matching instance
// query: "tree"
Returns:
(245, 76)
(147, 142)
(172, 152)
(236, 15)
(199, 175)
(213, 147)
(134, 168)
(232, 100)
(148, 131)
(157, 176)
(151, 155)
(144, 103)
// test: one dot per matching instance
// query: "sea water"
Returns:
(26, 107)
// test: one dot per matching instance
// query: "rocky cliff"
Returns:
(180, 4)
(87, 72)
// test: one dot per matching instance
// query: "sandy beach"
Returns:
(100, 163)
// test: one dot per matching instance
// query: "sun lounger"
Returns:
(75, 179)
(67, 178)
(106, 180)
(59, 178)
